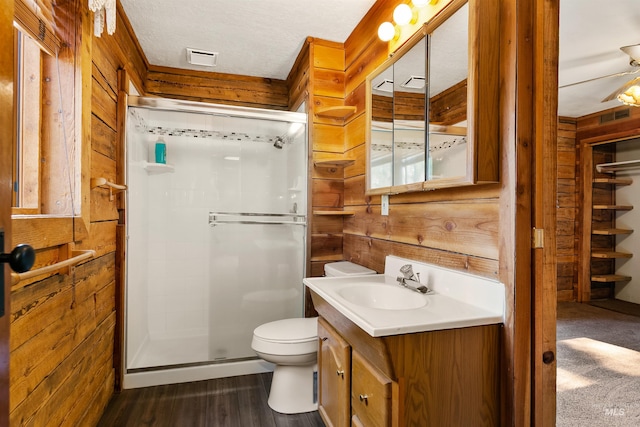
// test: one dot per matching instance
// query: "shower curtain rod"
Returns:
(214, 109)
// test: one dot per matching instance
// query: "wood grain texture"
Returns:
(445, 226)
(334, 376)
(224, 402)
(217, 88)
(444, 378)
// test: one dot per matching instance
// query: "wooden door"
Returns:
(6, 179)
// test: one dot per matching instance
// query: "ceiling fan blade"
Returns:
(622, 89)
(624, 73)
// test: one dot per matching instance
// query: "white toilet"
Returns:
(292, 345)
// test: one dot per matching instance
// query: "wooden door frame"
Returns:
(6, 180)
(546, 24)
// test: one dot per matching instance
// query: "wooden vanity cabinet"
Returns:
(334, 369)
(437, 378)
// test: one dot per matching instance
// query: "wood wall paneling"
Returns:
(218, 88)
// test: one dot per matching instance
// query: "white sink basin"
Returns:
(384, 297)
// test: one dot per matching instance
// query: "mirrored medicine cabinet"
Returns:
(432, 107)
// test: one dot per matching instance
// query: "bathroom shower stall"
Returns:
(216, 235)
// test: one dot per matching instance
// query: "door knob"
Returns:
(20, 259)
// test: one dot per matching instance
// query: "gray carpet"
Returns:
(598, 352)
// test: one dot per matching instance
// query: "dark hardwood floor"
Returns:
(224, 402)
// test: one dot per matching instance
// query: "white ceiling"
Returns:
(263, 38)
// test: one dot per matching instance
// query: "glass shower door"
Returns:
(256, 269)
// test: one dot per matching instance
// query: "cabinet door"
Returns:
(371, 394)
(334, 364)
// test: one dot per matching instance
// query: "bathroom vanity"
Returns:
(432, 364)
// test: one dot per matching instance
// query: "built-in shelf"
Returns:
(336, 112)
(610, 255)
(610, 278)
(343, 213)
(158, 167)
(613, 181)
(613, 207)
(611, 231)
(333, 163)
(338, 257)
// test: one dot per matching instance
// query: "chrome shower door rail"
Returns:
(220, 218)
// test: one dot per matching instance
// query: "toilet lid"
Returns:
(289, 330)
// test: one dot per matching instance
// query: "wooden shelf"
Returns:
(614, 207)
(337, 112)
(333, 163)
(157, 167)
(610, 255)
(610, 278)
(613, 181)
(338, 257)
(335, 213)
(611, 231)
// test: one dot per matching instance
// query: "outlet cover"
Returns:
(384, 204)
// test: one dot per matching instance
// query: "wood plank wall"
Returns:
(217, 88)
(457, 228)
(567, 212)
(63, 326)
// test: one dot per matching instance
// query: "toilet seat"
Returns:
(287, 337)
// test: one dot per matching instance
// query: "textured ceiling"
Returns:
(263, 38)
(253, 38)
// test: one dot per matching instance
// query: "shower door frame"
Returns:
(164, 104)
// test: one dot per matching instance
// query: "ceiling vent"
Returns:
(385, 85)
(202, 57)
(414, 82)
(615, 115)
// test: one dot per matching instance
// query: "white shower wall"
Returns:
(169, 241)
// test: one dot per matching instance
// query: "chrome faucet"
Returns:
(410, 280)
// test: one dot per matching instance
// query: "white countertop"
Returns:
(458, 300)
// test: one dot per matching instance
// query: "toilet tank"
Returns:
(345, 268)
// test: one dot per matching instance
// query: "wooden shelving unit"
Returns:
(613, 181)
(604, 231)
(611, 231)
(614, 207)
(340, 112)
(610, 255)
(338, 163)
(610, 278)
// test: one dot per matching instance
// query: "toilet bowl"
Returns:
(292, 345)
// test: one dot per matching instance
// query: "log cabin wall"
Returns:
(63, 326)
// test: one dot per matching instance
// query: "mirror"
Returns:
(422, 100)
(409, 115)
(396, 94)
(448, 71)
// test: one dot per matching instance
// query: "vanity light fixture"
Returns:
(402, 14)
(422, 3)
(387, 31)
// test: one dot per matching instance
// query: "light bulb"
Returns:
(386, 31)
(420, 3)
(402, 14)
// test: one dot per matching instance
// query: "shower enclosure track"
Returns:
(215, 220)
